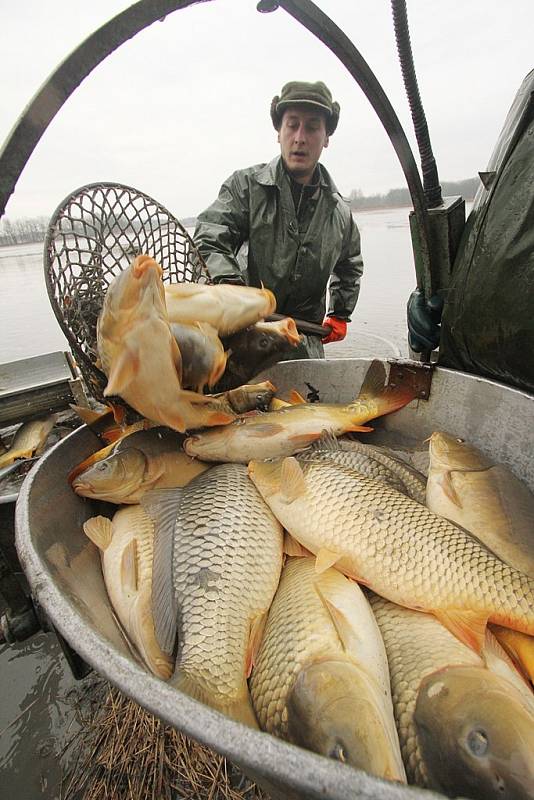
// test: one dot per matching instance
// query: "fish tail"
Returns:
(386, 398)
(239, 708)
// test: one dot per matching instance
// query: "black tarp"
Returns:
(488, 320)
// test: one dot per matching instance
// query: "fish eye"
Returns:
(102, 466)
(477, 742)
(460, 441)
(338, 753)
(263, 343)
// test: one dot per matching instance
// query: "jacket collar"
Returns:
(273, 173)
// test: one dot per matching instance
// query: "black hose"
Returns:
(431, 186)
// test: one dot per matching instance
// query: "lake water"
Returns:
(29, 327)
(35, 719)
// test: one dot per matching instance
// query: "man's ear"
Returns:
(278, 137)
(326, 141)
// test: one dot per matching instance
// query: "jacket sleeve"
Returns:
(344, 284)
(222, 228)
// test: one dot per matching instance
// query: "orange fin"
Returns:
(519, 646)
(359, 429)
(305, 439)
(123, 370)
(265, 429)
(99, 530)
(468, 626)
(256, 635)
(325, 559)
(295, 398)
(294, 548)
(220, 418)
(292, 480)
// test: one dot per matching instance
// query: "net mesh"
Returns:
(93, 235)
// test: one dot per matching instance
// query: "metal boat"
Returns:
(64, 570)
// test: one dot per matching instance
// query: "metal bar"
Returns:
(45, 104)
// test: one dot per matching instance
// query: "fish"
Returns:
(203, 355)
(256, 348)
(321, 678)
(139, 354)
(249, 397)
(412, 479)
(519, 647)
(145, 460)
(361, 459)
(30, 438)
(484, 497)
(465, 722)
(396, 546)
(217, 563)
(226, 307)
(291, 429)
(126, 547)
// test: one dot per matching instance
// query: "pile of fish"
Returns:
(322, 589)
(160, 346)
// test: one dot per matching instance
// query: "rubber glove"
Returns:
(424, 318)
(338, 332)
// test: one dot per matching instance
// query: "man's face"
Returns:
(302, 136)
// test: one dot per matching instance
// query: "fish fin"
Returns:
(468, 626)
(445, 482)
(294, 548)
(266, 429)
(257, 629)
(388, 398)
(129, 572)
(347, 635)
(292, 480)
(295, 398)
(374, 381)
(325, 559)
(518, 646)
(276, 404)
(88, 415)
(122, 372)
(327, 441)
(119, 413)
(220, 418)
(99, 530)
(151, 654)
(239, 709)
(162, 507)
(359, 428)
(304, 439)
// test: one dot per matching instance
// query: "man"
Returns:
(300, 232)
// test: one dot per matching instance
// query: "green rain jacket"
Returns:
(255, 205)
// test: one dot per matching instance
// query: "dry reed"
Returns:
(121, 752)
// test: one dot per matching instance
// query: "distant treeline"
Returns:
(401, 197)
(26, 230)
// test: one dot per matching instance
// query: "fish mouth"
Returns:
(143, 264)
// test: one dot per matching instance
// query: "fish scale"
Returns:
(227, 559)
(396, 546)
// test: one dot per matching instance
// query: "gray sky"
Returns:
(175, 110)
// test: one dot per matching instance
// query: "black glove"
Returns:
(424, 319)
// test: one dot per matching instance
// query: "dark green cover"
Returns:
(488, 320)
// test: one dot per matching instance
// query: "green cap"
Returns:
(296, 93)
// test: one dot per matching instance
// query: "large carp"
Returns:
(227, 308)
(217, 562)
(321, 677)
(396, 546)
(294, 428)
(466, 723)
(139, 354)
(484, 497)
(126, 546)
